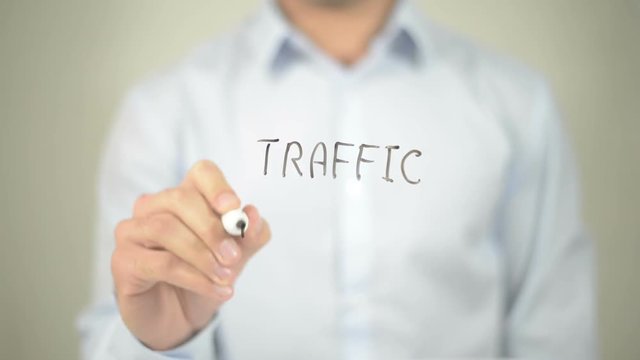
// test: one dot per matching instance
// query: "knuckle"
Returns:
(169, 263)
(116, 262)
(178, 196)
(159, 224)
(121, 231)
(204, 168)
(120, 265)
(142, 269)
(139, 203)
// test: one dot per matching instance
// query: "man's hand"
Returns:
(173, 264)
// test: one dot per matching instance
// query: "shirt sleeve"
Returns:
(142, 155)
(550, 310)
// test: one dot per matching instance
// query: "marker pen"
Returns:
(235, 222)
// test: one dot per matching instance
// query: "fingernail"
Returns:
(222, 273)
(227, 201)
(229, 251)
(224, 291)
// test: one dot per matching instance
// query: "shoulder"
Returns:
(206, 65)
(518, 97)
(488, 71)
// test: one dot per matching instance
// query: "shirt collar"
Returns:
(277, 43)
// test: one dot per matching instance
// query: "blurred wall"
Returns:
(64, 66)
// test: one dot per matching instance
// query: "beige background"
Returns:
(65, 64)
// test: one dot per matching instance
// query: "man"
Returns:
(421, 198)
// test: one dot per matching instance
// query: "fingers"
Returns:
(136, 269)
(180, 233)
(165, 232)
(192, 209)
(187, 204)
(207, 178)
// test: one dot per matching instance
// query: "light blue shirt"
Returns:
(475, 249)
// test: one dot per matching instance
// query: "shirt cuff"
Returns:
(124, 345)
